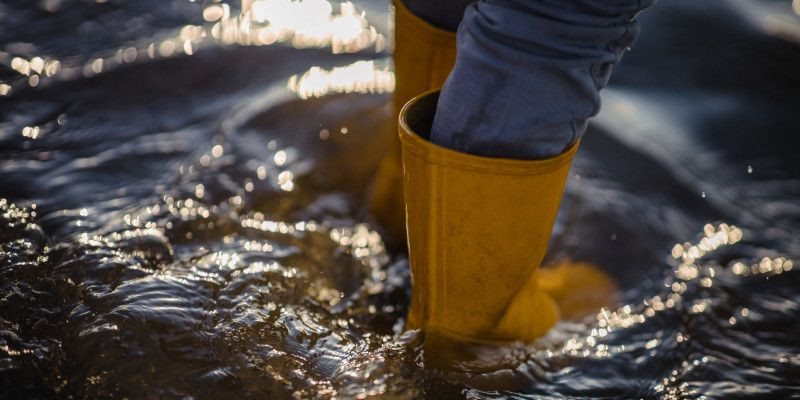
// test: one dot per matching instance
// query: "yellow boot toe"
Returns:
(578, 288)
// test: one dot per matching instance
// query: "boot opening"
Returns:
(419, 114)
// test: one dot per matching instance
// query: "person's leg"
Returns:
(484, 184)
(529, 72)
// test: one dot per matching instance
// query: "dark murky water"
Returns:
(183, 211)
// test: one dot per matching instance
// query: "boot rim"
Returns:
(416, 118)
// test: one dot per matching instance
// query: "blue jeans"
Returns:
(528, 73)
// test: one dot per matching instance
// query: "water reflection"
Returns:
(32, 71)
(310, 23)
(299, 23)
(358, 77)
(211, 234)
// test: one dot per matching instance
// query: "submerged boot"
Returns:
(423, 58)
(478, 228)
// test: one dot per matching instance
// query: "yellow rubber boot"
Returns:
(478, 228)
(423, 58)
(579, 288)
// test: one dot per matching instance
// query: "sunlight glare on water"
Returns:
(359, 77)
(299, 23)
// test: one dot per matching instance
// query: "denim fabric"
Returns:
(528, 73)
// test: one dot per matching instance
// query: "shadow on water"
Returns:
(189, 222)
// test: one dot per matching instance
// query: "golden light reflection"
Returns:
(285, 181)
(97, 66)
(217, 151)
(670, 387)
(31, 71)
(258, 221)
(31, 132)
(766, 265)
(279, 158)
(301, 23)
(166, 48)
(304, 23)
(21, 65)
(724, 234)
(254, 245)
(259, 268)
(210, 266)
(186, 209)
(629, 315)
(358, 77)
(366, 245)
(214, 12)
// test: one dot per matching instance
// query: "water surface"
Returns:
(183, 212)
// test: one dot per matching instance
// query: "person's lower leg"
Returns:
(529, 73)
(484, 185)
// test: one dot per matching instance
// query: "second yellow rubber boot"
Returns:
(423, 58)
(478, 229)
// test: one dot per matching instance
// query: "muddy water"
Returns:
(183, 212)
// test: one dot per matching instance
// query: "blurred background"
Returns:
(182, 209)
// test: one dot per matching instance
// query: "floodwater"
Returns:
(183, 212)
